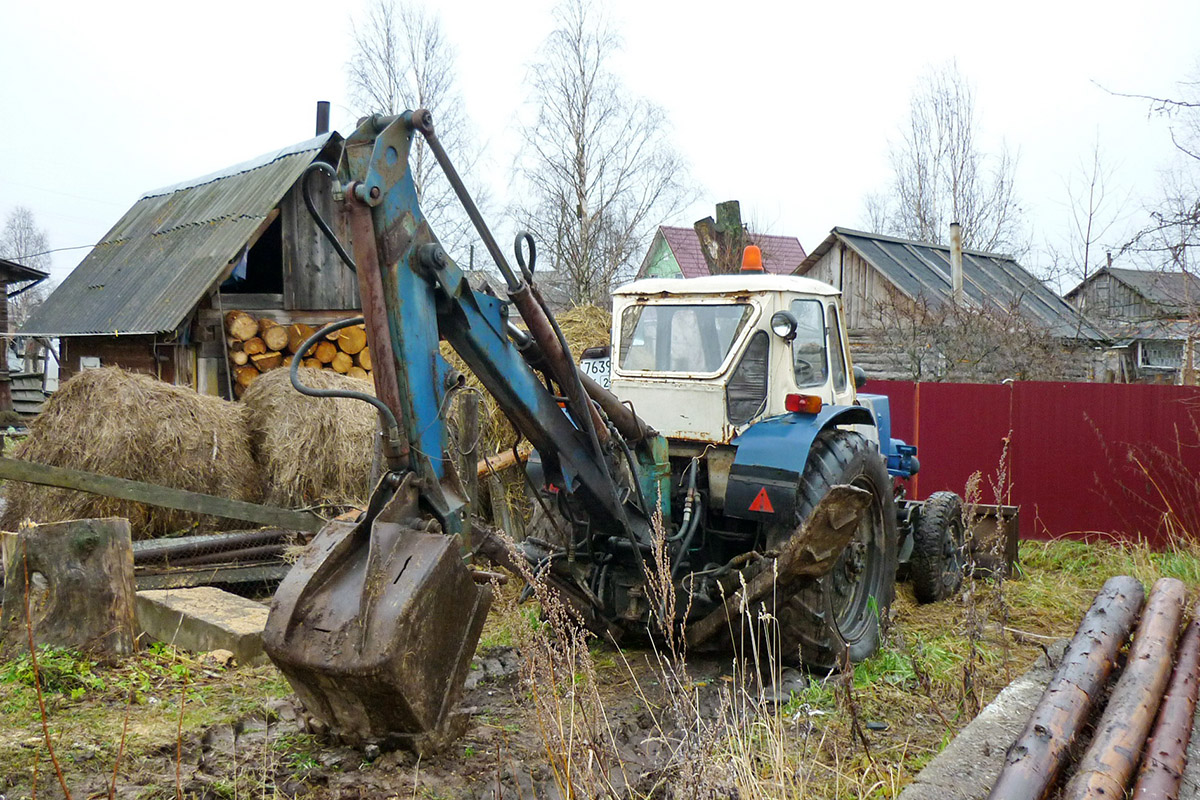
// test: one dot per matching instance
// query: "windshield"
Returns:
(680, 338)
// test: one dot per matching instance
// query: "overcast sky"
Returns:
(789, 107)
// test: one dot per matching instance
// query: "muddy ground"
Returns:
(604, 721)
(552, 717)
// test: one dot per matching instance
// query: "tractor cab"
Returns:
(701, 359)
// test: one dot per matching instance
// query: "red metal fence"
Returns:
(1078, 458)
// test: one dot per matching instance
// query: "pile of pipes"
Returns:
(1146, 723)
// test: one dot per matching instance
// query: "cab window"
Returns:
(680, 338)
(808, 348)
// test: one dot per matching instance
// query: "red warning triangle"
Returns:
(762, 503)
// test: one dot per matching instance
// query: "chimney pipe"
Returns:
(322, 117)
(956, 273)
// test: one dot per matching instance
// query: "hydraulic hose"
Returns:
(391, 428)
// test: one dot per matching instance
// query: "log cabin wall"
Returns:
(862, 285)
(134, 353)
(314, 277)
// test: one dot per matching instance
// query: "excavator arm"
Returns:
(375, 626)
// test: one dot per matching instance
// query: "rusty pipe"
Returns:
(1034, 760)
(628, 424)
(1108, 764)
(1166, 752)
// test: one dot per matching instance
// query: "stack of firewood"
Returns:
(259, 345)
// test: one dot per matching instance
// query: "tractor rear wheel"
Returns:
(936, 567)
(841, 610)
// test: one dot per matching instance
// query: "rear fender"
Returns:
(770, 459)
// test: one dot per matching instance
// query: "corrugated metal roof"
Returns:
(781, 254)
(161, 258)
(1176, 293)
(921, 269)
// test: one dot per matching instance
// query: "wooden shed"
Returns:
(16, 279)
(905, 323)
(152, 295)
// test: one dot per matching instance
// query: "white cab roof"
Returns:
(739, 283)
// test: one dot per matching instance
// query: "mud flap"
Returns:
(376, 624)
(809, 553)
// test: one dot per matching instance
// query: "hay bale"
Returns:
(128, 425)
(311, 449)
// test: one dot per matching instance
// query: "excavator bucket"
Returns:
(375, 626)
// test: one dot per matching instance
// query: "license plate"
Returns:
(598, 369)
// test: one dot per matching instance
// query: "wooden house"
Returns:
(906, 320)
(1153, 318)
(17, 279)
(153, 294)
(713, 246)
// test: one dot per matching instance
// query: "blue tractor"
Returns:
(731, 459)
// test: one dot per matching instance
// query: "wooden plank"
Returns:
(27, 471)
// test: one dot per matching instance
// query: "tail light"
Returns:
(802, 403)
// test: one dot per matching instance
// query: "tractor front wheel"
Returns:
(842, 610)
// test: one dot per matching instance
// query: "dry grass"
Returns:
(311, 450)
(128, 425)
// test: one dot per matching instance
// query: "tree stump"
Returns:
(76, 579)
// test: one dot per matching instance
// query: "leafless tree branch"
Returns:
(401, 60)
(941, 175)
(598, 168)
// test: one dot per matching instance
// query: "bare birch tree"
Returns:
(599, 170)
(24, 242)
(402, 61)
(940, 175)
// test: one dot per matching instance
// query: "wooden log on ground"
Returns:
(275, 337)
(239, 358)
(326, 351)
(341, 362)
(1034, 760)
(265, 324)
(254, 346)
(297, 333)
(1108, 764)
(1166, 753)
(363, 358)
(241, 325)
(311, 363)
(358, 372)
(76, 580)
(352, 340)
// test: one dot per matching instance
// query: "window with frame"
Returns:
(808, 348)
(682, 338)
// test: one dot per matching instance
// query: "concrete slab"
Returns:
(203, 619)
(1189, 787)
(969, 766)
